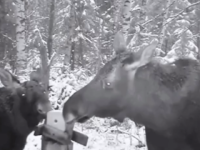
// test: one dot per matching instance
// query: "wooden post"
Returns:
(56, 135)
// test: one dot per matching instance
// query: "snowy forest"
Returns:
(68, 41)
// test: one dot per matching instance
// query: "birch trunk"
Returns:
(20, 33)
(126, 17)
(163, 30)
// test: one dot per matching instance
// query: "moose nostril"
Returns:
(43, 108)
(40, 111)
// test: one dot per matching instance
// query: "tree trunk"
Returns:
(51, 23)
(72, 55)
(80, 9)
(197, 27)
(126, 17)
(45, 69)
(163, 31)
(46, 56)
(66, 56)
(99, 45)
(137, 38)
(72, 35)
(20, 34)
(117, 14)
(81, 52)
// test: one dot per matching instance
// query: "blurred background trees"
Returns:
(71, 39)
(79, 33)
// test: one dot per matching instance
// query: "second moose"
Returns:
(22, 107)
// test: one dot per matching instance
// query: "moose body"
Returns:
(163, 96)
(22, 107)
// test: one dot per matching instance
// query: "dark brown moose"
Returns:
(163, 96)
(22, 107)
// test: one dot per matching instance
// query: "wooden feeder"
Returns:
(56, 135)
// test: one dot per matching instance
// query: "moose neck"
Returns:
(160, 93)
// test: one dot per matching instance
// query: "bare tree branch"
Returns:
(158, 14)
(177, 15)
(52, 59)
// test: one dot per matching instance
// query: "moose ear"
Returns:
(147, 53)
(36, 75)
(119, 43)
(8, 80)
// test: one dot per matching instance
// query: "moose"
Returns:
(161, 95)
(22, 107)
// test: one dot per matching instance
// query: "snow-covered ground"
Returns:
(101, 137)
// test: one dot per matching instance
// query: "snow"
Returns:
(101, 134)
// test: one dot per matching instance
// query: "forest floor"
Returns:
(102, 136)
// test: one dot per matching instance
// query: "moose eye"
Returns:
(106, 85)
